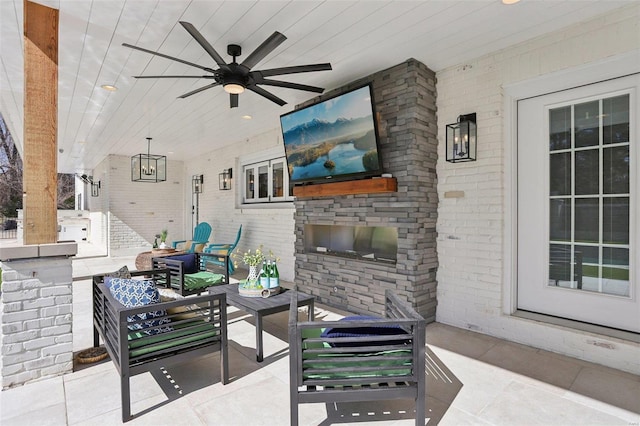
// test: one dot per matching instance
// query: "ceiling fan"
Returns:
(234, 77)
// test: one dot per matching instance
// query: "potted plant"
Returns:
(163, 239)
(253, 260)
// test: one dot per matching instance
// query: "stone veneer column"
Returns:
(36, 312)
(405, 97)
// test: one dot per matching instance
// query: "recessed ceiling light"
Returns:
(247, 117)
(109, 87)
(82, 142)
(510, 1)
(170, 152)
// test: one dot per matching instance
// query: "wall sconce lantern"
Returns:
(462, 139)
(95, 186)
(148, 167)
(95, 189)
(196, 184)
(225, 179)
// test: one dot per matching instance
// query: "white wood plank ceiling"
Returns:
(356, 37)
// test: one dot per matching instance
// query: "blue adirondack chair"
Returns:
(223, 249)
(201, 235)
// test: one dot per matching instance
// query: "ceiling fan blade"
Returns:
(260, 91)
(295, 69)
(193, 92)
(264, 49)
(162, 55)
(233, 100)
(173, 76)
(205, 44)
(290, 85)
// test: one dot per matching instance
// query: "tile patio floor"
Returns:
(472, 379)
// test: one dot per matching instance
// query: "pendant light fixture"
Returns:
(148, 167)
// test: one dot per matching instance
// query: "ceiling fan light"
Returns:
(233, 88)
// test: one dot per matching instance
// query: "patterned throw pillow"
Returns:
(120, 273)
(187, 246)
(132, 293)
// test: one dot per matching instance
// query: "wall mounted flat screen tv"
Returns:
(334, 139)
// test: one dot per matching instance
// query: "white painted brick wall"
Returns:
(471, 229)
(272, 226)
(130, 214)
(99, 206)
(36, 317)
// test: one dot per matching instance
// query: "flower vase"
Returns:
(163, 245)
(253, 273)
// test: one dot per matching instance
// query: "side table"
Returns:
(143, 260)
(260, 307)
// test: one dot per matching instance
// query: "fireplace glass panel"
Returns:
(373, 243)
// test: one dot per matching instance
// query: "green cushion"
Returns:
(141, 344)
(392, 367)
(374, 360)
(202, 279)
(311, 333)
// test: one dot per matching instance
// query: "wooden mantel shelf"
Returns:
(351, 187)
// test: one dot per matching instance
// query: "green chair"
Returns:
(223, 250)
(201, 235)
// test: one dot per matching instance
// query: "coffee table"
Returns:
(260, 307)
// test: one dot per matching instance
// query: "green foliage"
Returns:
(66, 191)
(370, 160)
(11, 178)
(10, 205)
(256, 257)
(10, 173)
(68, 204)
(608, 272)
(253, 259)
(366, 141)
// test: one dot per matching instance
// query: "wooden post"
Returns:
(40, 178)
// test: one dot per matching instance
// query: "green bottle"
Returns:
(274, 280)
(264, 276)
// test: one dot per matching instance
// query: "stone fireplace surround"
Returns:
(405, 103)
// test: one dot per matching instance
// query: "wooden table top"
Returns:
(143, 260)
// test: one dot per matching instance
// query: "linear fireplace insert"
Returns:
(370, 243)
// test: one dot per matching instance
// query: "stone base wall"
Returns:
(36, 317)
(405, 97)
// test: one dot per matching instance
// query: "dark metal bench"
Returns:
(202, 331)
(358, 368)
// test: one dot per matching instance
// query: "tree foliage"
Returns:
(11, 178)
(10, 173)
